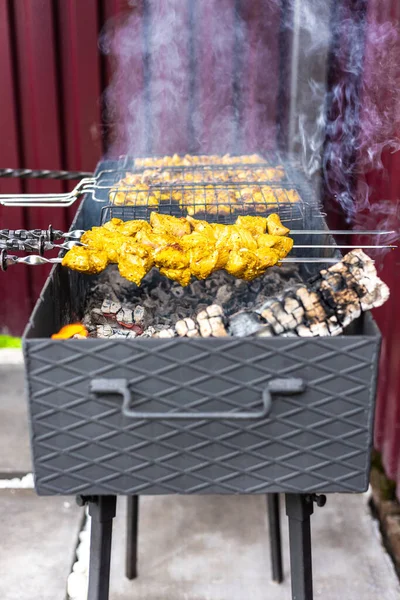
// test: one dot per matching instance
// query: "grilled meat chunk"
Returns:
(170, 225)
(85, 260)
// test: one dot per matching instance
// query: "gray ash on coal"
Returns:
(165, 302)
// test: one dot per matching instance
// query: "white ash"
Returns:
(116, 305)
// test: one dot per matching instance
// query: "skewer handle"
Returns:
(49, 235)
(44, 174)
(49, 200)
(7, 260)
(36, 245)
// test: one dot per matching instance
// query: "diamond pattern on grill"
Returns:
(317, 441)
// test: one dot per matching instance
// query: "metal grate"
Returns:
(214, 192)
(215, 173)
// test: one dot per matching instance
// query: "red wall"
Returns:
(51, 113)
(52, 76)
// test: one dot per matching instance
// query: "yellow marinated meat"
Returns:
(279, 243)
(274, 225)
(256, 225)
(133, 267)
(170, 225)
(171, 257)
(181, 248)
(181, 276)
(85, 260)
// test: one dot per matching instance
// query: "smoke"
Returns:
(193, 77)
(356, 122)
(209, 76)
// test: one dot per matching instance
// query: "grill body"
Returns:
(317, 441)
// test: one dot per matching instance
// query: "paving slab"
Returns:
(38, 539)
(15, 456)
(216, 548)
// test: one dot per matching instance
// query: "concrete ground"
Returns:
(190, 548)
(216, 548)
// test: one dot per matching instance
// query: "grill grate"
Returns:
(214, 192)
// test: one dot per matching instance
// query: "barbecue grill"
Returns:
(229, 415)
(196, 416)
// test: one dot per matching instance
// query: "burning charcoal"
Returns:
(149, 304)
(186, 328)
(245, 323)
(165, 333)
(159, 294)
(293, 308)
(286, 319)
(138, 314)
(268, 315)
(105, 307)
(210, 322)
(97, 317)
(78, 336)
(137, 329)
(265, 332)
(217, 327)
(214, 310)
(204, 324)
(110, 308)
(177, 291)
(192, 329)
(118, 334)
(149, 332)
(255, 286)
(240, 285)
(196, 288)
(180, 314)
(131, 334)
(211, 284)
(125, 318)
(224, 294)
(181, 328)
(333, 300)
(312, 304)
(201, 307)
(104, 331)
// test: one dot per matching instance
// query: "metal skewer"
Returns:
(7, 260)
(337, 232)
(362, 246)
(36, 245)
(51, 235)
(41, 246)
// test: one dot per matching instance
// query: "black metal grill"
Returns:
(315, 440)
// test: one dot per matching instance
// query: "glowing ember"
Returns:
(68, 331)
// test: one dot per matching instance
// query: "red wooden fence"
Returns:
(52, 116)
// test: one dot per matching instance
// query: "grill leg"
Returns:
(132, 537)
(275, 537)
(102, 510)
(299, 508)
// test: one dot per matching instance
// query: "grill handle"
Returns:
(283, 387)
(49, 200)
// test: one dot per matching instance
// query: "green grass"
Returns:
(7, 341)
